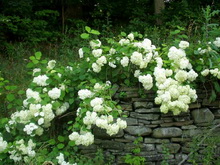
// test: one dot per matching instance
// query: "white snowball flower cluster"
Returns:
(84, 94)
(41, 80)
(171, 94)
(54, 93)
(51, 64)
(97, 52)
(131, 36)
(33, 94)
(86, 139)
(147, 81)
(101, 61)
(214, 72)
(98, 114)
(95, 44)
(3, 144)
(29, 128)
(217, 42)
(62, 161)
(183, 44)
(124, 41)
(80, 51)
(22, 150)
(124, 61)
(36, 70)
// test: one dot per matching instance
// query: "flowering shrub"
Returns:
(83, 90)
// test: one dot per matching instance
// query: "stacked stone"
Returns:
(158, 130)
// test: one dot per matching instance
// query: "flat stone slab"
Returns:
(203, 115)
(167, 132)
(180, 123)
(131, 121)
(151, 110)
(138, 130)
(149, 117)
(147, 105)
(173, 148)
(155, 141)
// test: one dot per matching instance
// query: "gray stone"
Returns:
(157, 122)
(151, 125)
(148, 116)
(194, 106)
(180, 123)
(143, 121)
(167, 120)
(173, 148)
(101, 133)
(138, 130)
(148, 147)
(188, 127)
(131, 121)
(112, 145)
(217, 113)
(155, 141)
(129, 137)
(147, 105)
(217, 121)
(180, 156)
(191, 132)
(203, 115)
(151, 110)
(167, 132)
(182, 118)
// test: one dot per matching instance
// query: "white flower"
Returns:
(112, 64)
(145, 79)
(80, 53)
(121, 123)
(192, 75)
(124, 41)
(97, 52)
(54, 93)
(136, 58)
(40, 121)
(124, 61)
(95, 43)
(217, 42)
(33, 94)
(96, 101)
(36, 70)
(184, 62)
(137, 73)
(51, 64)
(131, 36)
(112, 129)
(30, 128)
(85, 93)
(181, 76)
(101, 61)
(3, 145)
(112, 51)
(96, 68)
(41, 80)
(183, 44)
(205, 72)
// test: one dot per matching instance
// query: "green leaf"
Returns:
(32, 58)
(71, 143)
(123, 34)
(35, 61)
(84, 36)
(10, 97)
(20, 92)
(52, 142)
(95, 32)
(30, 65)
(88, 29)
(61, 138)
(60, 146)
(38, 55)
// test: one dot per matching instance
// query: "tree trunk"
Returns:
(159, 5)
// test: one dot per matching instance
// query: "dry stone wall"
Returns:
(157, 129)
